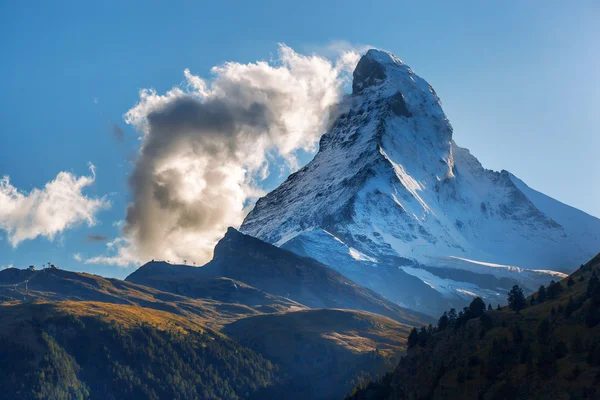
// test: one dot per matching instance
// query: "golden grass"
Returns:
(13, 316)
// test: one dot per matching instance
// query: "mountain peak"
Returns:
(388, 185)
(382, 78)
(372, 69)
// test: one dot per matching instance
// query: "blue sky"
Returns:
(519, 82)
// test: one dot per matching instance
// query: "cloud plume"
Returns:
(207, 145)
(45, 212)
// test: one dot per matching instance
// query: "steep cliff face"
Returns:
(389, 194)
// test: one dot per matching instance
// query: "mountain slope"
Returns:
(221, 300)
(390, 190)
(95, 350)
(323, 350)
(548, 350)
(275, 271)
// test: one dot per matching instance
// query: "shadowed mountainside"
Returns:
(276, 271)
(324, 351)
(550, 349)
(95, 350)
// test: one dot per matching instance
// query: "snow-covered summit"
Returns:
(390, 184)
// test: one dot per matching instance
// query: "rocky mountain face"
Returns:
(392, 202)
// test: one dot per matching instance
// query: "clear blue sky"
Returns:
(518, 80)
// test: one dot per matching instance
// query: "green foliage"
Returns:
(443, 322)
(571, 307)
(592, 318)
(532, 355)
(554, 290)
(543, 330)
(477, 307)
(541, 294)
(423, 336)
(516, 299)
(55, 377)
(87, 358)
(486, 321)
(413, 338)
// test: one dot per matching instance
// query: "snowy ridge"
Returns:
(397, 194)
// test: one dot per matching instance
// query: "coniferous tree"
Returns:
(541, 294)
(476, 308)
(413, 338)
(516, 299)
(451, 315)
(443, 322)
(423, 336)
(571, 307)
(554, 290)
(490, 307)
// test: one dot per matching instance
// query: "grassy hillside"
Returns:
(222, 300)
(322, 353)
(94, 350)
(550, 349)
(184, 332)
(73, 335)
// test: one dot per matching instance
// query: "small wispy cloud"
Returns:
(116, 131)
(59, 205)
(77, 257)
(95, 238)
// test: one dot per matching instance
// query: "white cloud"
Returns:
(206, 146)
(45, 212)
(5, 266)
(77, 257)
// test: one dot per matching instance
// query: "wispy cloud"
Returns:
(77, 257)
(96, 238)
(45, 212)
(116, 131)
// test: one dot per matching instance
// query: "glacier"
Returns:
(391, 201)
